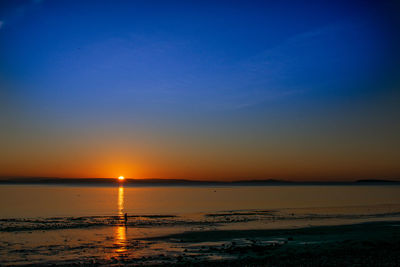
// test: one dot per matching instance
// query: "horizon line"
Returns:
(177, 180)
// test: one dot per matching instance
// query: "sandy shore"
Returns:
(365, 244)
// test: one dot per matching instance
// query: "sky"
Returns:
(204, 90)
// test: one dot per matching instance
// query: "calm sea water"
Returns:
(29, 201)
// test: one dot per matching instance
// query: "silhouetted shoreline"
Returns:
(182, 182)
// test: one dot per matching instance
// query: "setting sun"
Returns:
(121, 178)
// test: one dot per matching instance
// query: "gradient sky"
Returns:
(200, 90)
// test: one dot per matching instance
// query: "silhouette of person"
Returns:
(126, 217)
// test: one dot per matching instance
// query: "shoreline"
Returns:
(360, 244)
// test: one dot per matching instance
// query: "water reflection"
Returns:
(121, 229)
(121, 201)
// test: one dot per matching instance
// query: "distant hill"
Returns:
(175, 182)
(376, 181)
(51, 180)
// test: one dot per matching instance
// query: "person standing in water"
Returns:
(126, 218)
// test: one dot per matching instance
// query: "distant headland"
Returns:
(181, 182)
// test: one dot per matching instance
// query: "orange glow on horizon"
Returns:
(121, 178)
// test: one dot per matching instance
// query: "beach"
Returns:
(366, 244)
(271, 229)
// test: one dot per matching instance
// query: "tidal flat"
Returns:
(364, 244)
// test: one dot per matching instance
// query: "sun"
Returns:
(121, 178)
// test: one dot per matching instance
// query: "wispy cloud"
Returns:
(302, 63)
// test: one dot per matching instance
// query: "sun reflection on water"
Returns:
(121, 201)
(121, 229)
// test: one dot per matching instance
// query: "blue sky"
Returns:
(202, 72)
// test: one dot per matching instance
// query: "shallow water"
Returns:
(61, 224)
(26, 201)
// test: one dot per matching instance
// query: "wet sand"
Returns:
(367, 244)
(364, 244)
